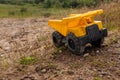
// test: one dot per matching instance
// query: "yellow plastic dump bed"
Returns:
(76, 23)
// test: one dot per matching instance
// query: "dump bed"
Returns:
(76, 22)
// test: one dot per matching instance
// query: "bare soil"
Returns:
(32, 37)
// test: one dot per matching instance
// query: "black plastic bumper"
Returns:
(93, 34)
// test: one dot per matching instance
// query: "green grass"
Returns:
(16, 11)
(27, 60)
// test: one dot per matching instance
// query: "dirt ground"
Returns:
(32, 37)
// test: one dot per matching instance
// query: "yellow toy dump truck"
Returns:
(77, 30)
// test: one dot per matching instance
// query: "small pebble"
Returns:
(100, 75)
(86, 55)
(43, 71)
(97, 51)
(94, 69)
(60, 51)
(118, 41)
(108, 77)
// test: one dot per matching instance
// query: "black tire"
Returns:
(97, 43)
(74, 44)
(57, 39)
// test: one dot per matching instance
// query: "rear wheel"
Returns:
(57, 39)
(98, 42)
(74, 44)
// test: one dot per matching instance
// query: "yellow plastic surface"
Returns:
(76, 23)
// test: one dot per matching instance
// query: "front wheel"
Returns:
(74, 44)
(98, 42)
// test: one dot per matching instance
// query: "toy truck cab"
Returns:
(77, 30)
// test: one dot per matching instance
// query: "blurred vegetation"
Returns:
(56, 3)
(61, 8)
(45, 8)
